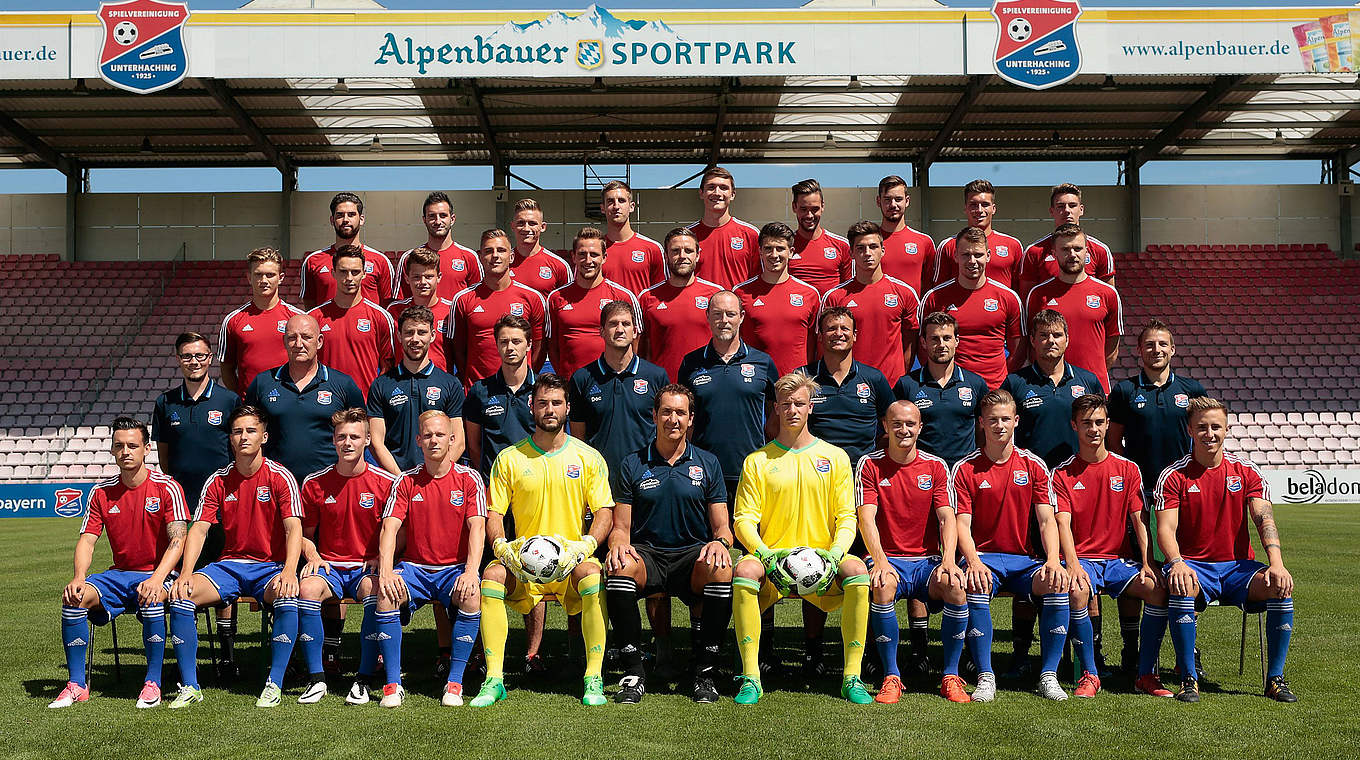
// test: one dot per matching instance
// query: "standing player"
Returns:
(360, 336)
(1203, 502)
(781, 310)
(1040, 261)
(728, 247)
(145, 515)
(1000, 488)
(798, 491)
(248, 343)
(884, 306)
(1046, 390)
(318, 283)
(471, 331)
(632, 259)
(497, 413)
(820, 258)
(851, 396)
(1092, 307)
(908, 255)
(574, 310)
(342, 512)
(401, 395)
(906, 516)
(422, 276)
(533, 265)
(946, 394)
(979, 206)
(458, 265)
(547, 482)
(256, 501)
(675, 312)
(988, 313)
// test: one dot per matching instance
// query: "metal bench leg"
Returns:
(1242, 646)
(117, 660)
(1261, 642)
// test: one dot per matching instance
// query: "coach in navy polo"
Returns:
(946, 394)
(1044, 391)
(851, 397)
(190, 422)
(733, 384)
(299, 397)
(398, 397)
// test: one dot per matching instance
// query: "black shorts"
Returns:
(669, 571)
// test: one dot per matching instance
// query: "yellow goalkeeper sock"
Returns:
(854, 622)
(592, 623)
(746, 617)
(495, 628)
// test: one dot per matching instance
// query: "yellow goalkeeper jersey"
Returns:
(797, 497)
(549, 492)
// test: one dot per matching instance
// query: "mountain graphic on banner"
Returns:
(592, 23)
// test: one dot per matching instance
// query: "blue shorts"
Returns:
(913, 579)
(1110, 576)
(117, 593)
(237, 578)
(1227, 582)
(427, 586)
(1011, 572)
(344, 581)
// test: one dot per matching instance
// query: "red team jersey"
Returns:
(635, 263)
(360, 341)
(573, 327)
(136, 518)
(822, 262)
(1003, 267)
(1093, 312)
(346, 512)
(676, 320)
(780, 319)
(885, 315)
(441, 310)
(435, 513)
(909, 256)
(1039, 264)
(907, 496)
(1100, 497)
(1211, 524)
(252, 339)
(459, 267)
(251, 510)
(541, 270)
(472, 321)
(319, 283)
(989, 318)
(1002, 498)
(729, 254)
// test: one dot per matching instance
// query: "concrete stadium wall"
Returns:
(225, 225)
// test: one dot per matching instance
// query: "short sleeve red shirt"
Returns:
(573, 326)
(541, 270)
(359, 341)
(780, 319)
(677, 322)
(441, 310)
(346, 512)
(988, 318)
(909, 255)
(1100, 496)
(907, 496)
(318, 283)
(252, 339)
(435, 513)
(472, 321)
(1039, 264)
(251, 510)
(1002, 497)
(1093, 311)
(1003, 266)
(822, 262)
(1211, 521)
(459, 267)
(135, 518)
(728, 254)
(885, 318)
(636, 263)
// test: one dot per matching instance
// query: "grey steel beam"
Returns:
(977, 84)
(227, 102)
(1209, 101)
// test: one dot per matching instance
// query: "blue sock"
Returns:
(184, 635)
(1150, 633)
(153, 639)
(887, 634)
(1279, 628)
(284, 633)
(1054, 615)
(1181, 618)
(368, 640)
(953, 632)
(389, 643)
(75, 634)
(311, 633)
(465, 627)
(1083, 637)
(980, 631)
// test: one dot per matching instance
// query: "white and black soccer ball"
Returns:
(125, 33)
(805, 568)
(541, 556)
(1019, 29)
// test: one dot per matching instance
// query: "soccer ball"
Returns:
(806, 568)
(1019, 29)
(540, 557)
(125, 33)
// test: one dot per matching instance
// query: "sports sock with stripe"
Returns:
(387, 629)
(153, 639)
(1053, 620)
(1181, 619)
(887, 633)
(918, 630)
(495, 628)
(1279, 629)
(368, 636)
(75, 635)
(184, 634)
(465, 627)
(311, 633)
(854, 623)
(953, 633)
(1150, 633)
(622, 601)
(1083, 639)
(980, 631)
(592, 623)
(282, 636)
(746, 617)
(713, 622)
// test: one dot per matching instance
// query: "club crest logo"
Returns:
(924, 481)
(458, 265)
(991, 304)
(795, 299)
(456, 498)
(214, 416)
(1182, 400)
(862, 390)
(368, 267)
(822, 465)
(1036, 42)
(1078, 391)
(1020, 477)
(639, 256)
(68, 502)
(965, 394)
(830, 253)
(701, 302)
(143, 45)
(890, 300)
(1003, 251)
(573, 471)
(590, 54)
(911, 249)
(640, 387)
(736, 242)
(1117, 483)
(364, 325)
(432, 394)
(1093, 302)
(153, 504)
(696, 472)
(517, 309)
(748, 370)
(1234, 483)
(262, 494)
(545, 273)
(323, 398)
(365, 501)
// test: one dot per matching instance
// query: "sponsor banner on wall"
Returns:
(1314, 486)
(47, 499)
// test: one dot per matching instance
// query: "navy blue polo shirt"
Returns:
(848, 414)
(1046, 409)
(616, 407)
(1154, 419)
(400, 396)
(949, 412)
(300, 418)
(731, 397)
(670, 501)
(196, 430)
(505, 416)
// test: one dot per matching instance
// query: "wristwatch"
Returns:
(724, 542)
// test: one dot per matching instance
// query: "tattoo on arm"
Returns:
(1264, 517)
(176, 530)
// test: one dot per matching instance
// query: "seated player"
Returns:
(906, 514)
(440, 508)
(797, 491)
(999, 487)
(1203, 501)
(670, 536)
(256, 500)
(546, 482)
(341, 515)
(1101, 494)
(144, 513)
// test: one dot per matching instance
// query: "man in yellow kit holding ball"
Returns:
(547, 482)
(797, 491)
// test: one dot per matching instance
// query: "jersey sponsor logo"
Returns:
(890, 300)
(495, 410)
(640, 387)
(1182, 400)
(737, 243)
(573, 471)
(1020, 477)
(1117, 483)
(700, 302)
(1003, 251)
(364, 325)
(649, 484)
(458, 265)
(456, 498)
(398, 398)
(924, 481)
(214, 416)
(143, 47)
(366, 500)
(1036, 42)
(432, 394)
(795, 299)
(153, 504)
(638, 256)
(1093, 301)
(701, 380)
(862, 390)
(262, 494)
(515, 308)
(748, 370)
(696, 472)
(965, 395)
(323, 398)
(1234, 483)
(1078, 391)
(545, 273)
(822, 465)
(830, 253)
(991, 304)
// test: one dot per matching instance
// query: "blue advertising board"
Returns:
(46, 499)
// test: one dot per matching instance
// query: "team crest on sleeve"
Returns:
(748, 370)
(364, 325)
(822, 465)
(153, 504)
(830, 253)
(737, 242)
(574, 471)
(991, 304)
(1036, 42)
(262, 494)
(1020, 477)
(456, 498)
(323, 398)
(545, 273)
(1093, 301)
(1182, 400)
(214, 416)
(696, 472)
(1234, 483)
(1117, 483)
(432, 394)
(143, 45)
(517, 309)
(701, 302)
(639, 256)
(890, 300)
(924, 481)
(68, 502)
(795, 299)
(640, 386)
(366, 501)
